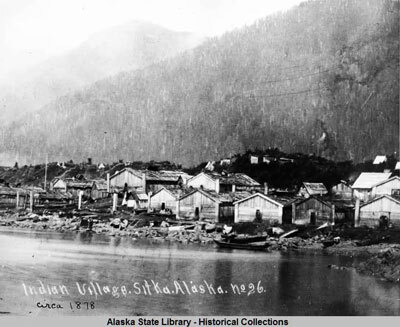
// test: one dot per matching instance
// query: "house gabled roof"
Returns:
(137, 173)
(173, 193)
(100, 184)
(214, 196)
(238, 179)
(315, 188)
(211, 177)
(142, 196)
(387, 181)
(381, 197)
(265, 197)
(302, 200)
(368, 180)
(164, 176)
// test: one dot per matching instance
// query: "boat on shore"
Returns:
(255, 246)
(243, 239)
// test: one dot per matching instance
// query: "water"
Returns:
(284, 284)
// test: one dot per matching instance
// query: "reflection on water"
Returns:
(290, 284)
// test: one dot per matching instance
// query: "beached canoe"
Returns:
(244, 239)
(255, 246)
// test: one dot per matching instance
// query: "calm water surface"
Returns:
(289, 284)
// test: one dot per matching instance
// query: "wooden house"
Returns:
(223, 183)
(72, 185)
(10, 196)
(142, 200)
(54, 197)
(201, 204)
(128, 177)
(253, 160)
(135, 200)
(267, 207)
(99, 189)
(362, 187)
(312, 211)
(165, 199)
(206, 181)
(156, 180)
(147, 180)
(371, 212)
(342, 190)
(76, 186)
(58, 184)
(312, 189)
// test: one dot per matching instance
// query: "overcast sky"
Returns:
(34, 30)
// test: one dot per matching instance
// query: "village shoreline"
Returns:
(381, 260)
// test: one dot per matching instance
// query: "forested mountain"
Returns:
(125, 47)
(320, 78)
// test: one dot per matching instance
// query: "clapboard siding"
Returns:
(386, 188)
(208, 209)
(304, 210)
(126, 177)
(370, 213)
(161, 197)
(246, 210)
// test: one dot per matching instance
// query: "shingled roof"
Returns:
(315, 188)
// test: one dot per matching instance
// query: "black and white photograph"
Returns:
(208, 158)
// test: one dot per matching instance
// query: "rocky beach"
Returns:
(378, 251)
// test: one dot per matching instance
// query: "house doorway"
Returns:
(163, 206)
(313, 218)
(197, 213)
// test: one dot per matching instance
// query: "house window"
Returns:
(396, 192)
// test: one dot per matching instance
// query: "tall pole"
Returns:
(45, 173)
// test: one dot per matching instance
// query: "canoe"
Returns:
(244, 239)
(255, 246)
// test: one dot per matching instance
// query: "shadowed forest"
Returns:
(321, 78)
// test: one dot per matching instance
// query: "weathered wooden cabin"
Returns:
(58, 184)
(147, 180)
(165, 199)
(312, 211)
(156, 180)
(54, 198)
(205, 181)
(362, 187)
(312, 189)
(268, 208)
(342, 190)
(72, 185)
(76, 186)
(128, 177)
(205, 205)
(99, 189)
(10, 196)
(371, 212)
